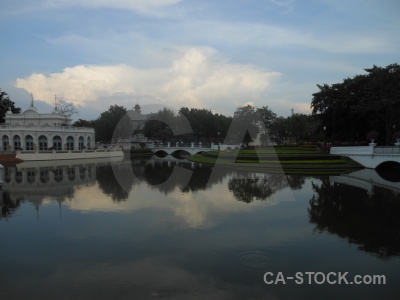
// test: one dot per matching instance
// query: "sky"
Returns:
(217, 55)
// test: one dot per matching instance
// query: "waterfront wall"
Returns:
(63, 155)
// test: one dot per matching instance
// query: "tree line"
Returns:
(344, 111)
(370, 102)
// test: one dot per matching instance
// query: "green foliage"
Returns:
(113, 124)
(245, 125)
(357, 105)
(293, 129)
(5, 104)
(205, 124)
(159, 125)
(268, 118)
(83, 123)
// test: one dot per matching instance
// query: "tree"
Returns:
(106, 124)
(268, 118)
(65, 108)
(348, 110)
(83, 123)
(206, 126)
(244, 126)
(158, 126)
(5, 105)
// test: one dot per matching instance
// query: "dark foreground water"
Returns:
(72, 232)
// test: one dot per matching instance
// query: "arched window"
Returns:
(71, 174)
(17, 142)
(44, 176)
(70, 143)
(18, 177)
(30, 176)
(29, 142)
(88, 144)
(82, 172)
(42, 142)
(81, 143)
(5, 142)
(57, 142)
(58, 175)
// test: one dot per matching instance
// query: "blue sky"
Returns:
(217, 55)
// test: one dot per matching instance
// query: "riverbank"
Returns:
(139, 152)
(290, 160)
(9, 159)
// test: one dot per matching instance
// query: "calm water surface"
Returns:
(139, 230)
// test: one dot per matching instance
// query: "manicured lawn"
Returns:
(289, 160)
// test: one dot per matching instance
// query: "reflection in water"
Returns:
(156, 171)
(370, 220)
(108, 183)
(245, 186)
(200, 238)
(253, 186)
(8, 206)
(39, 185)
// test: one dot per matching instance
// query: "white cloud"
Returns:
(140, 5)
(198, 78)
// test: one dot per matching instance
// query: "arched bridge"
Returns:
(369, 156)
(191, 148)
(367, 179)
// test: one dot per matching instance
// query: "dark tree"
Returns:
(348, 110)
(159, 125)
(268, 118)
(5, 105)
(113, 123)
(206, 125)
(83, 123)
(244, 126)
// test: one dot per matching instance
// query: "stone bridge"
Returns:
(369, 156)
(366, 179)
(191, 148)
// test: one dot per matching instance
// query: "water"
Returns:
(70, 231)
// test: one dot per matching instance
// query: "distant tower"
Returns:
(55, 102)
(32, 104)
(137, 108)
(292, 110)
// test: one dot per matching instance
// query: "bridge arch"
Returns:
(389, 164)
(179, 152)
(160, 153)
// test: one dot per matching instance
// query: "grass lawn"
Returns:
(291, 160)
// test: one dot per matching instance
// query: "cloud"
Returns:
(197, 78)
(141, 6)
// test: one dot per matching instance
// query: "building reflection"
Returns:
(362, 208)
(26, 182)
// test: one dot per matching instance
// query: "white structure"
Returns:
(369, 156)
(192, 149)
(31, 130)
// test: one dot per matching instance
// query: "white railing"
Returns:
(365, 150)
(352, 150)
(46, 128)
(193, 145)
(178, 145)
(387, 150)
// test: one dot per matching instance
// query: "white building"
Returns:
(31, 130)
